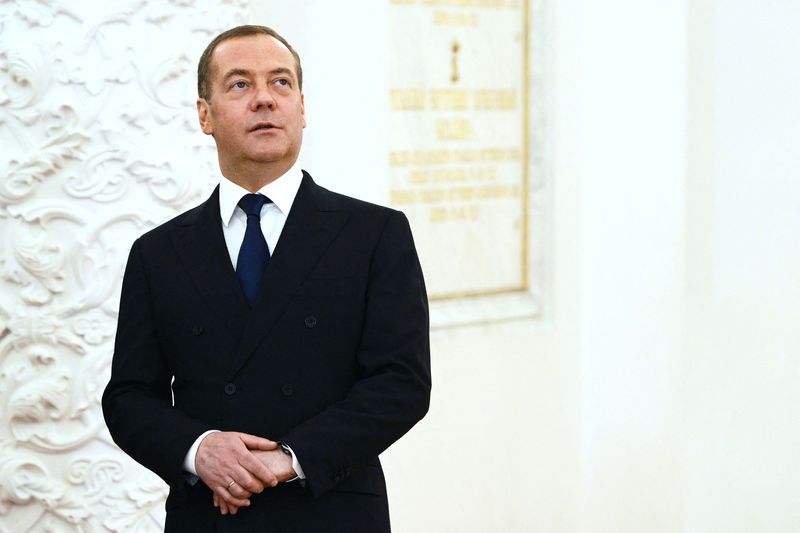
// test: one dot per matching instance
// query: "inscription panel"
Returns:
(458, 143)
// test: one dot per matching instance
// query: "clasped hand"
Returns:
(237, 465)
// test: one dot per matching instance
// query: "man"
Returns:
(273, 340)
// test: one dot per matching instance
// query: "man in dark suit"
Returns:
(273, 340)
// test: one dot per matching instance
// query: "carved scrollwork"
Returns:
(156, 84)
(100, 144)
(28, 327)
(21, 176)
(100, 177)
(161, 180)
(26, 78)
(98, 477)
(39, 262)
(25, 480)
(49, 407)
(94, 327)
(133, 508)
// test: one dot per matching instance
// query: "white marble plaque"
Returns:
(458, 142)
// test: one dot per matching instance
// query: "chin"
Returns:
(268, 156)
(274, 154)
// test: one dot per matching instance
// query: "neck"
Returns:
(254, 176)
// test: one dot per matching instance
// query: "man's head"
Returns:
(250, 101)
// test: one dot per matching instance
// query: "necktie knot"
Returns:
(251, 204)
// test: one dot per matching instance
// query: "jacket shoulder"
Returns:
(359, 208)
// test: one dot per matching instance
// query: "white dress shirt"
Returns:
(282, 192)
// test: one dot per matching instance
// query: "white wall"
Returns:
(742, 359)
(629, 147)
(682, 123)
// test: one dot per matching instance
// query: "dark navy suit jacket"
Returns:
(333, 359)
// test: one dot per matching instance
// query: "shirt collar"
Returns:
(281, 191)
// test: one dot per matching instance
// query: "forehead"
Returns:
(251, 52)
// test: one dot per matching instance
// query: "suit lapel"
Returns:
(312, 224)
(201, 246)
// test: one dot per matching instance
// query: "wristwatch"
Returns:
(285, 448)
(288, 451)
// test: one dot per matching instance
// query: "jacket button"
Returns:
(287, 389)
(197, 330)
(230, 389)
(311, 321)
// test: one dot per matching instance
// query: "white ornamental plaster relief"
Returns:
(100, 143)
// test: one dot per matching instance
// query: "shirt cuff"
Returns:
(188, 461)
(295, 465)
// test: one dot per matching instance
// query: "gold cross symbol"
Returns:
(454, 77)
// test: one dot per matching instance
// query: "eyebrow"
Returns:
(244, 72)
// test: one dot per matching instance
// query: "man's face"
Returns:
(255, 112)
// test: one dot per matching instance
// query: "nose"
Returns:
(262, 98)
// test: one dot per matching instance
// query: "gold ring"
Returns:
(231, 484)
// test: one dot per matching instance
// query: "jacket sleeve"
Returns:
(137, 402)
(392, 392)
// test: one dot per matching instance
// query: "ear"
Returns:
(204, 116)
(303, 109)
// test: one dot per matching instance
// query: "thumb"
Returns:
(257, 443)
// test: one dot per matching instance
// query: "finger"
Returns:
(257, 443)
(231, 509)
(227, 498)
(258, 469)
(228, 509)
(246, 481)
(220, 504)
(224, 508)
(239, 492)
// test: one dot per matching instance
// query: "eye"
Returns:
(239, 85)
(283, 82)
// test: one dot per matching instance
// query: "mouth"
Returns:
(263, 126)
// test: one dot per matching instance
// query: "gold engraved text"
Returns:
(443, 157)
(455, 19)
(495, 99)
(449, 99)
(456, 213)
(458, 129)
(470, 174)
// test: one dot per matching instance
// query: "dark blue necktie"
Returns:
(254, 254)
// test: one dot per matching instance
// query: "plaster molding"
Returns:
(101, 143)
